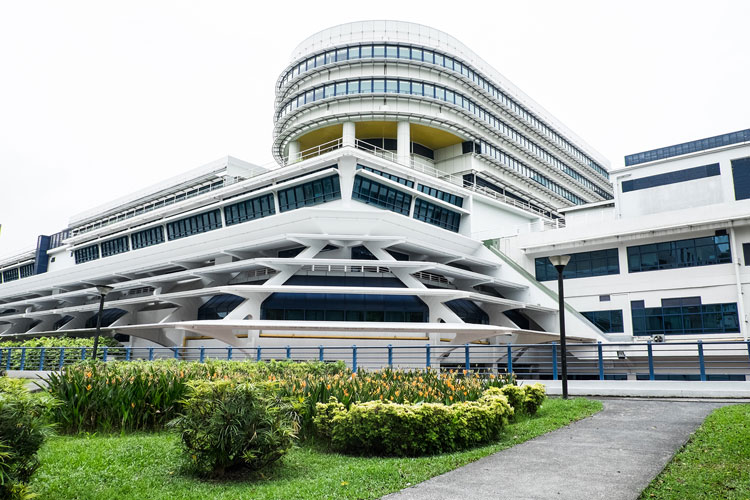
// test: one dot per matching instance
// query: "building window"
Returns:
(10, 275)
(219, 306)
(310, 193)
(147, 237)
(468, 311)
(581, 265)
(741, 176)
(380, 195)
(437, 215)
(255, 208)
(113, 247)
(442, 195)
(394, 178)
(683, 253)
(606, 321)
(746, 253)
(194, 225)
(344, 307)
(86, 254)
(685, 317)
(62, 321)
(26, 271)
(675, 177)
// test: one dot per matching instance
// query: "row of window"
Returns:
(473, 179)
(422, 89)
(685, 319)
(442, 195)
(394, 178)
(392, 145)
(149, 207)
(436, 215)
(683, 253)
(675, 177)
(606, 321)
(17, 273)
(690, 252)
(367, 51)
(254, 208)
(310, 193)
(380, 195)
(688, 147)
(581, 265)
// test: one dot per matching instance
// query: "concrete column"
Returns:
(348, 135)
(293, 152)
(403, 143)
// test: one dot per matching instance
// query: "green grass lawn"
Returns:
(149, 466)
(715, 463)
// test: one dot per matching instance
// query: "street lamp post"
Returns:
(103, 291)
(560, 261)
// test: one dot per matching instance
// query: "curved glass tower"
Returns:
(423, 96)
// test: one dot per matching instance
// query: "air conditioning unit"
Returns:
(658, 338)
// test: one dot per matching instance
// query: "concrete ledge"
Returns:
(650, 389)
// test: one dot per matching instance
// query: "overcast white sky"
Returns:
(102, 98)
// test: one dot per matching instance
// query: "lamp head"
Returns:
(559, 260)
(104, 289)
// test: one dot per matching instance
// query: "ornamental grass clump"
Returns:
(385, 428)
(23, 429)
(226, 425)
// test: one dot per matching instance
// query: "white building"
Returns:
(399, 153)
(667, 259)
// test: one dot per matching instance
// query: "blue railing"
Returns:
(711, 360)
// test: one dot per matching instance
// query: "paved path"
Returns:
(613, 455)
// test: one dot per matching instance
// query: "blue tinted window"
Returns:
(685, 319)
(195, 224)
(687, 174)
(606, 321)
(219, 306)
(380, 195)
(581, 265)
(310, 193)
(109, 316)
(392, 177)
(113, 247)
(436, 215)
(741, 176)
(86, 254)
(147, 237)
(442, 195)
(251, 209)
(704, 251)
(688, 147)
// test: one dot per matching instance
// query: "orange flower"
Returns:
(132, 405)
(88, 387)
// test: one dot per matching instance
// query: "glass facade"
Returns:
(115, 246)
(86, 254)
(606, 321)
(394, 178)
(421, 89)
(688, 147)
(26, 271)
(219, 306)
(581, 265)
(195, 224)
(380, 195)
(428, 56)
(10, 275)
(344, 307)
(468, 311)
(255, 208)
(686, 318)
(741, 177)
(436, 215)
(675, 177)
(683, 253)
(310, 193)
(147, 237)
(442, 195)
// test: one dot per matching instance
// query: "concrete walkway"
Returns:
(613, 455)
(650, 388)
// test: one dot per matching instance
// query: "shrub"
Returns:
(23, 428)
(52, 354)
(226, 425)
(515, 396)
(534, 396)
(385, 428)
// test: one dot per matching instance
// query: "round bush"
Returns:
(227, 425)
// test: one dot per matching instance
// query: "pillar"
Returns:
(348, 135)
(403, 143)
(293, 152)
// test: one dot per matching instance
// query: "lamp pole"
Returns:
(103, 291)
(560, 261)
